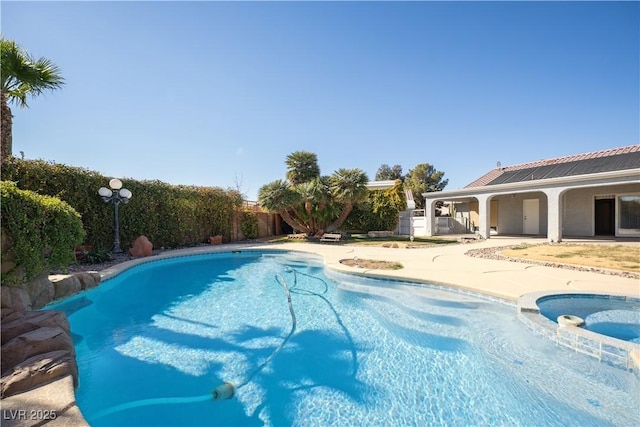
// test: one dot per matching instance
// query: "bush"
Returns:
(44, 231)
(97, 256)
(249, 224)
(168, 215)
(379, 212)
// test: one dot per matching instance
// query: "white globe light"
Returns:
(125, 193)
(104, 192)
(115, 183)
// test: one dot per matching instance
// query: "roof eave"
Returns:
(381, 185)
(634, 174)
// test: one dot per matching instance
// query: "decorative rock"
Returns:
(16, 298)
(65, 285)
(57, 398)
(39, 341)
(7, 264)
(6, 242)
(9, 315)
(141, 247)
(38, 370)
(89, 279)
(390, 245)
(40, 291)
(33, 320)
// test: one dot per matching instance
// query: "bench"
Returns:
(331, 237)
(297, 236)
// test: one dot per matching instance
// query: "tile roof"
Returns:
(612, 159)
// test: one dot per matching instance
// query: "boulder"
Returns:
(40, 290)
(89, 279)
(65, 285)
(29, 344)
(8, 263)
(31, 321)
(6, 242)
(15, 298)
(141, 247)
(9, 314)
(39, 370)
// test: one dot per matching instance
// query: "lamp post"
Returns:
(116, 195)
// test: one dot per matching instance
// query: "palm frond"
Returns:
(22, 75)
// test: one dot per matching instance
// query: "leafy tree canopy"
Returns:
(386, 172)
(424, 178)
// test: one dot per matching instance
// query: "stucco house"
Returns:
(583, 195)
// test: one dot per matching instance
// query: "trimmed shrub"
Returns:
(168, 215)
(249, 224)
(44, 232)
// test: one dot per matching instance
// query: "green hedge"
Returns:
(379, 212)
(169, 215)
(43, 231)
(249, 224)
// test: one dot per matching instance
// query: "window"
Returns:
(629, 212)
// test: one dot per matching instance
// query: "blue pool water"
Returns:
(154, 341)
(617, 318)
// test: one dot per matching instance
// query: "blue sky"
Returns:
(219, 93)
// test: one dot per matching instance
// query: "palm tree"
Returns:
(302, 166)
(278, 196)
(315, 194)
(21, 75)
(308, 201)
(348, 186)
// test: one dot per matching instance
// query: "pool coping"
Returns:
(609, 350)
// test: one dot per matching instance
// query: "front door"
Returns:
(605, 214)
(531, 216)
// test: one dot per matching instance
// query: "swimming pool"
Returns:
(154, 341)
(615, 317)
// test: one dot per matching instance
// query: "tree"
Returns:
(302, 166)
(311, 203)
(424, 178)
(348, 186)
(22, 75)
(386, 173)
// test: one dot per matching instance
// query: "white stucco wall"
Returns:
(510, 212)
(578, 218)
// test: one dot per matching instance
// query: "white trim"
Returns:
(633, 176)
